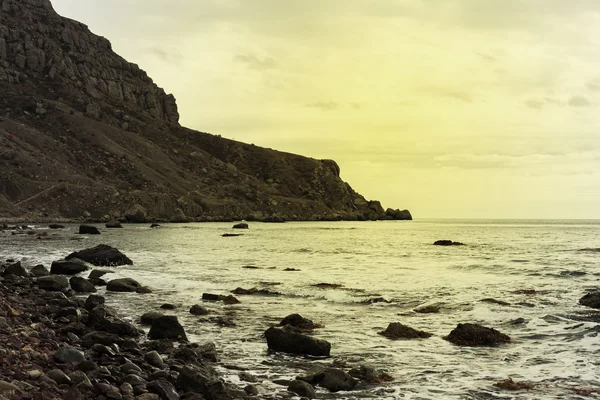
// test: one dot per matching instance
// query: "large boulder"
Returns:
(123, 285)
(82, 285)
(591, 300)
(53, 283)
(136, 214)
(101, 255)
(289, 341)
(166, 327)
(332, 379)
(68, 267)
(88, 230)
(476, 335)
(396, 330)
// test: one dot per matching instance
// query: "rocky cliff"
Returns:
(84, 133)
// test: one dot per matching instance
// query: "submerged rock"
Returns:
(288, 341)
(396, 331)
(476, 335)
(166, 327)
(591, 300)
(447, 243)
(332, 379)
(101, 255)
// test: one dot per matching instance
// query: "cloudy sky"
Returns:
(450, 108)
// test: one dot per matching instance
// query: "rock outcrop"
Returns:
(86, 134)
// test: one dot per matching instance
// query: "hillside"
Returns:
(86, 134)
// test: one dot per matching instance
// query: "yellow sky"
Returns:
(450, 108)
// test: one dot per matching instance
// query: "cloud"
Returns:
(535, 104)
(593, 86)
(459, 95)
(256, 63)
(324, 105)
(579, 101)
(170, 56)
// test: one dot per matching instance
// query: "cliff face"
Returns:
(84, 133)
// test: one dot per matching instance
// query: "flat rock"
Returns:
(101, 255)
(88, 230)
(288, 341)
(68, 267)
(53, 283)
(447, 243)
(396, 330)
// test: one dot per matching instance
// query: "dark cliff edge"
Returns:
(86, 134)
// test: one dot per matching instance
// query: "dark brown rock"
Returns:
(396, 331)
(288, 341)
(476, 335)
(166, 327)
(101, 255)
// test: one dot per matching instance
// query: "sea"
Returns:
(521, 277)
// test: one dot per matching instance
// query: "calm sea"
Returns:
(490, 281)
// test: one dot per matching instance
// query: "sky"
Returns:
(449, 108)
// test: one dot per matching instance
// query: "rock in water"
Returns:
(447, 243)
(113, 225)
(123, 285)
(476, 335)
(288, 341)
(332, 379)
(149, 317)
(591, 300)
(53, 283)
(101, 255)
(242, 225)
(88, 230)
(68, 267)
(166, 327)
(302, 389)
(39, 270)
(396, 330)
(82, 285)
(16, 269)
(298, 321)
(198, 310)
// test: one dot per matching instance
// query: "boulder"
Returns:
(204, 380)
(56, 226)
(104, 338)
(447, 243)
(59, 377)
(149, 317)
(99, 273)
(113, 225)
(93, 301)
(154, 359)
(82, 285)
(591, 300)
(298, 321)
(16, 269)
(198, 310)
(68, 267)
(39, 270)
(53, 283)
(242, 225)
(476, 335)
(166, 327)
(155, 226)
(332, 379)
(88, 230)
(164, 389)
(302, 389)
(136, 214)
(101, 255)
(123, 285)
(168, 306)
(396, 331)
(287, 341)
(68, 354)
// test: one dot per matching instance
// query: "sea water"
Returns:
(523, 278)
